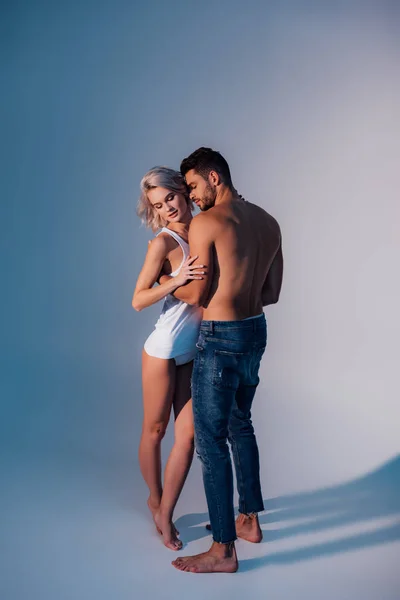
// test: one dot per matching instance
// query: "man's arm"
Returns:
(273, 282)
(201, 245)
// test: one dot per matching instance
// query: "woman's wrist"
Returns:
(170, 283)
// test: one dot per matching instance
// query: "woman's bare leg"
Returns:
(158, 382)
(180, 458)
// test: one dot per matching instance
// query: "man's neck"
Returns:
(225, 195)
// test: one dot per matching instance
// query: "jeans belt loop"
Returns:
(212, 327)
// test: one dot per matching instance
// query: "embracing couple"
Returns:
(215, 272)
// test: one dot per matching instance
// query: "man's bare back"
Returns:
(246, 241)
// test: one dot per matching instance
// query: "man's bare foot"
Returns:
(247, 528)
(221, 558)
(168, 531)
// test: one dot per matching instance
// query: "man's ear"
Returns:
(214, 178)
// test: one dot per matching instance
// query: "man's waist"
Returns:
(252, 323)
(230, 312)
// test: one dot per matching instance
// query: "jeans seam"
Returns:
(236, 454)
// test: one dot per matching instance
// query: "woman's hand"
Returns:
(189, 271)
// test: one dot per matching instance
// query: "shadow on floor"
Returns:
(373, 496)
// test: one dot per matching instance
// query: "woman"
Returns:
(168, 353)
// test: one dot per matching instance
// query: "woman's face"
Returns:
(171, 206)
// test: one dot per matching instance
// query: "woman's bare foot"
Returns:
(168, 531)
(221, 558)
(247, 527)
(154, 509)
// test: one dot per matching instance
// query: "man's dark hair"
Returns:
(204, 160)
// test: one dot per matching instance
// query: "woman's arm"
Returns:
(145, 294)
(201, 241)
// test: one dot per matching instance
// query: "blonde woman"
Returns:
(169, 351)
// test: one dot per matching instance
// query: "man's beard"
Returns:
(208, 199)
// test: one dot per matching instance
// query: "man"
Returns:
(240, 244)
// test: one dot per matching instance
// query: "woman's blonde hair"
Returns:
(159, 177)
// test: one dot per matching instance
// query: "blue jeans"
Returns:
(224, 381)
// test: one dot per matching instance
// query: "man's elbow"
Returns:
(195, 299)
(275, 298)
(270, 298)
(193, 302)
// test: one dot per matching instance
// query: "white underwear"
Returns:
(181, 359)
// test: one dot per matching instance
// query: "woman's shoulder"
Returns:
(162, 242)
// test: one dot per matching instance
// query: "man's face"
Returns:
(201, 191)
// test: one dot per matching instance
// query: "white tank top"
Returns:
(178, 324)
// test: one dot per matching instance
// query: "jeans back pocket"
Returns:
(228, 368)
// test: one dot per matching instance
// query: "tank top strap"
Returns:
(183, 244)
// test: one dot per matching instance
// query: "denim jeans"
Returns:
(224, 381)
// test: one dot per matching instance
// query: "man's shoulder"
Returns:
(261, 214)
(205, 220)
(256, 208)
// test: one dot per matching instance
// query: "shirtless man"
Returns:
(241, 245)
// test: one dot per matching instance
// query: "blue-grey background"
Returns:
(302, 98)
